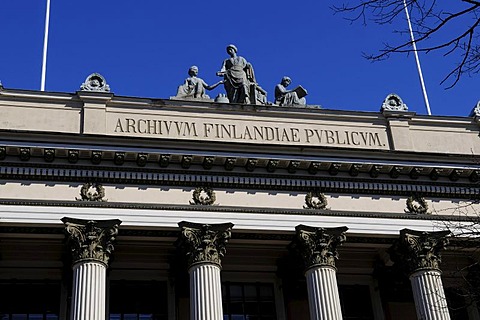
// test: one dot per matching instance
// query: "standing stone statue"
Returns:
(194, 87)
(284, 97)
(238, 76)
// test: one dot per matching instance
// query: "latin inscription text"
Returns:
(242, 132)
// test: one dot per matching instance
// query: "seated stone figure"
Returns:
(284, 97)
(194, 87)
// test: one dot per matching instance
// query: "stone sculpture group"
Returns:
(240, 85)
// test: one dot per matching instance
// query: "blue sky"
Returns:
(144, 49)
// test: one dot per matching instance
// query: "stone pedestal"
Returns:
(91, 244)
(419, 253)
(318, 248)
(204, 246)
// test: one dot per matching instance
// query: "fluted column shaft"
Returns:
(205, 292)
(323, 297)
(91, 246)
(88, 295)
(204, 246)
(419, 253)
(429, 295)
(318, 249)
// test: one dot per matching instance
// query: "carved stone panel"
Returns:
(417, 250)
(91, 239)
(318, 246)
(204, 243)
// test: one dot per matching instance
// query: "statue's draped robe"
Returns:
(238, 75)
(193, 87)
(285, 98)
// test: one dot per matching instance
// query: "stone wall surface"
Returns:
(103, 114)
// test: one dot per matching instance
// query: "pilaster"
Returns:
(94, 111)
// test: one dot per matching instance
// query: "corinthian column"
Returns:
(91, 244)
(318, 248)
(205, 245)
(419, 253)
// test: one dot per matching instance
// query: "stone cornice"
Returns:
(419, 250)
(318, 246)
(339, 183)
(204, 243)
(91, 239)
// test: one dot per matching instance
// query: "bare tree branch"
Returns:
(435, 29)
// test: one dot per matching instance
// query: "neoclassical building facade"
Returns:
(116, 207)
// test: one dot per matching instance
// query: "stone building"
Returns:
(128, 208)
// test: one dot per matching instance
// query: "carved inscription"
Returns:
(253, 132)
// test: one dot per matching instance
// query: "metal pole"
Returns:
(45, 45)
(420, 74)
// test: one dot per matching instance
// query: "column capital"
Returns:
(91, 239)
(204, 243)
(318, 246)
(419, 250)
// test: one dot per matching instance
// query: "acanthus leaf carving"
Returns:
(91, 239)
(318, 246)
(417, 250)
(204, 243)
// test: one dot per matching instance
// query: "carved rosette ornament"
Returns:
(87, 195)
(204, 243)
(206, 200)
(315, 200)
(91, 239)
(393, 103)
(416, 205)
(318, 246)
(419, 250)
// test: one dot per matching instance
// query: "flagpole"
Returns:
(45, 45)
(420, 74)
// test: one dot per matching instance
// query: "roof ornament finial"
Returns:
(95, 82)
(393, 102)
(476, 110)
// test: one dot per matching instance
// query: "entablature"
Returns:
(107, 118)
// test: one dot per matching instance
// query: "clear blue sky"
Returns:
(144, 49)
